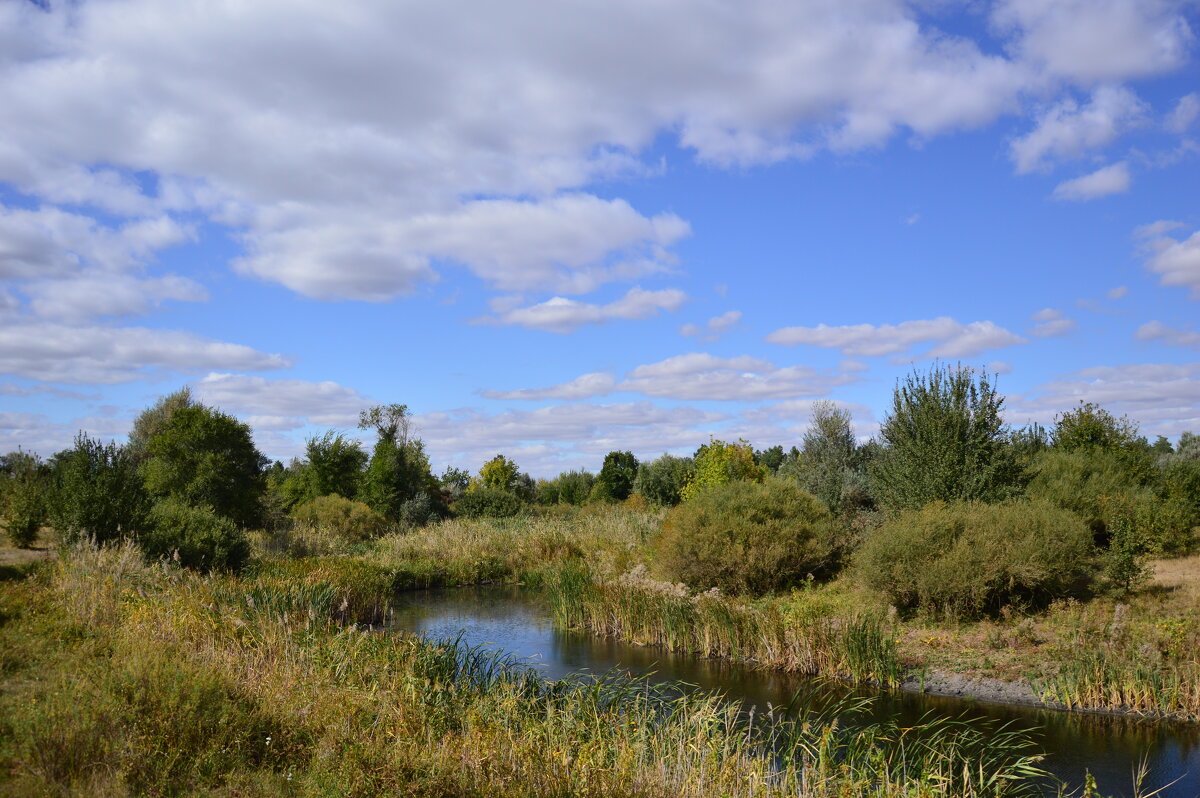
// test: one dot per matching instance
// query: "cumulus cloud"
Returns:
(1096, 40)
(1176, 260)
(92, 295)
(1112, 179)
(1069, 130)
(282, 404)
(1163, 397)
(714, 328)
(952, 338)
(562, 315)
(1157, 331)
(60, 353)
(1051, 324)
(1186, 111)
(582, 387)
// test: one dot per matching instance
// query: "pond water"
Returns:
(518, 622)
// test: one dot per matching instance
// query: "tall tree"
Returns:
(944, 439)
(98, 491)
(398, 471)
(617, 475)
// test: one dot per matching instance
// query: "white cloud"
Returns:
(1051, 324)
(1069, 130)
(562, 315)
(1156, 229)
(283, 403)
(1186, 111)
(1164, 398)
(714, 328)
(96, 294)
(1157, 331)
(61, 353)
(953, 338)
(1112, 179)
(699, 376)
(1118, 293)
(1097, 40)
(582, 387)
(1176, 260)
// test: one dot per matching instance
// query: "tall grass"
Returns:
(174, 682)
(633, 608)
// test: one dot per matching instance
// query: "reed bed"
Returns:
(164, 681)
(859, 649)
(1098, 679)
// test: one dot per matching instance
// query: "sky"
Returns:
(553, 230)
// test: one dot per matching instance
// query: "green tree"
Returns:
(1090, 429)
(719, 463)
(500, 473)
(661, 481)
(399, 470)
(154, 419)
(617, 474)
(828, 457)
(202, 456)
(334, 465)
(23, 496)
(945, 439)
(98, 491)
(770, 459)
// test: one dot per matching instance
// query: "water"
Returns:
(518, 622)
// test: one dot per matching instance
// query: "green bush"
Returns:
(347, 519)
(969, 558)
(718, 463)
(662, 481)
(746, 537)
(485, 502)
(195, 537)
(24, 499)
(98, 492)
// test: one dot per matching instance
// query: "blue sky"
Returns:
(557, 230)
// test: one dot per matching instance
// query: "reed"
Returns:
(1099, 679)
(640, 610)
(195, 690)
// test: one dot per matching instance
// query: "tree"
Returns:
(499, 472)
(944, 440)
(828, 457)
(202, 456)
(617, 474)
(390, 421)
(154, 419)
(399, 471)
(1090, 429)
(662, 481)
(770, 459)
(98, 491)
(718, 463)
(23, 497)
(335, 465)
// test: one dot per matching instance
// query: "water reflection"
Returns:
(518, 622)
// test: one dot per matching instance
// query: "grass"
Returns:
(126, 678)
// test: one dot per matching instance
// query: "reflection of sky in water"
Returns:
(507, 619)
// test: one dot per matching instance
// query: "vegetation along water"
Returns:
(178, 615)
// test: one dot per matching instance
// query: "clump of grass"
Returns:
(192, 692)
(634, 608)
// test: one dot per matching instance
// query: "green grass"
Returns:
(126, 678)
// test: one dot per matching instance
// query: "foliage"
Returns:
(488, 502)
(349, 520)
(569, 487)
(1091, 429)
(391, 422)
(98, 491)
(617, 475)
(23, 497)
(662, 481)
(195, 536)
(969, 558)
(945, 440)
(398, 473)
(154, 419)
(829, 465)
(770, 459)
(718, 463)
(454, 481)
(202, 456)
(499, 473)
(334, 465)
(746, 537)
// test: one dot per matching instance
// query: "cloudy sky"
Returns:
(556, 229)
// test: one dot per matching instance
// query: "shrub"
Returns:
(334, 465)
(718, 463)
(98, 492)
(969, 558)
(945, 440)
(347, 519)
(194, 536)
(617, 474)
(24, 498)
(485, 502)
(662, 481)
(746, 537)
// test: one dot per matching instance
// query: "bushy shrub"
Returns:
(969, 558)
(98, 491)
(617, 475)
(194, 536)
(662, 481)
(347, 519)
(485, 502)
(746, 537)
(23, 495)
(419, 511)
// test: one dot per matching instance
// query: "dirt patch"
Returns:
(979, 688)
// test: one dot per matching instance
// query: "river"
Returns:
(518, 622)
